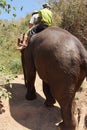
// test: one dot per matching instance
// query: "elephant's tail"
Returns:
(84, 64)
(86, 67)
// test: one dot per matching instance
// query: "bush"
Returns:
(74, 17)
(15, 66)
(4, 93)
(6, 78)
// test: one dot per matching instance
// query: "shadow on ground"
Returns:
(32, 114)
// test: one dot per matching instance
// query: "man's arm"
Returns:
(30, 25)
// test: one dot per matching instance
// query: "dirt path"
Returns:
(21, 114)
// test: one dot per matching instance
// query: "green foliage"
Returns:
(8, 7)
(15, 65)
(2, 3)
(8, 43)
(9, 33)
(14, 15)
(5, 78)
(10, 63)
(4, 93)
(73, 17)
(56, 19)
(5, 6)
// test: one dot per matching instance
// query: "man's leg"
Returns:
(22, 41)
(26, 39)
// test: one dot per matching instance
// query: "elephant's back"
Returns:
(56, 50)
(53, 37)
(55, 44)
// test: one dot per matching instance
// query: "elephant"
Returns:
(60, 60)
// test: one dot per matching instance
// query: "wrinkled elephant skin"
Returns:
(61, 62)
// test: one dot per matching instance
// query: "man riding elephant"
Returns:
(44, 20)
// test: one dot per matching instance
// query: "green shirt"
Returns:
(46, 16)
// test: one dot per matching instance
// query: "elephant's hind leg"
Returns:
(49, 98)
(67, 111)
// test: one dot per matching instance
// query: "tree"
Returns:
(74, 16)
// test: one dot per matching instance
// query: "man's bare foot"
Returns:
(20, 48)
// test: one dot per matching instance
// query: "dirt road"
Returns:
(21, 114)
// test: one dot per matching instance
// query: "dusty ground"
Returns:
(21, 114)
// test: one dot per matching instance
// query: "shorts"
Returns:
(37, 29)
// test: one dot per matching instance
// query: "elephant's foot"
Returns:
(49, 103)
(31, 96)
(31, 93)
(63, 127)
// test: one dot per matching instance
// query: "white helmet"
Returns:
(34, 12)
